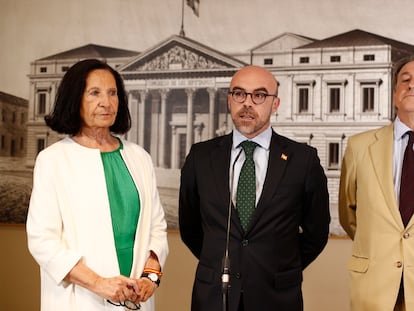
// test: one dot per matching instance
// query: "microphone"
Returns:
(225, 278)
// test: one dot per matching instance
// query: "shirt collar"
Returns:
(400, 129)
(263, 139)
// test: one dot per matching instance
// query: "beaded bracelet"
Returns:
(150, 270)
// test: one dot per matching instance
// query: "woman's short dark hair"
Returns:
(65, 117)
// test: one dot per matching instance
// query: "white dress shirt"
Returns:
(400, 143)
(260, 157)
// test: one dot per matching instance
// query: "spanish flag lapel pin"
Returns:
(283, 156)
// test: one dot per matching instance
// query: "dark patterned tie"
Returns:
(407, 182)
(246, 187)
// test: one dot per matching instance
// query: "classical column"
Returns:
(163, 127)
(133, 110)
(141, 117)
(199, 130)
(174, 148)
(154, 129)
(211, 112)
(32, 102)
(190, 117)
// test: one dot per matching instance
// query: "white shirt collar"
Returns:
(263, 139)
(400, 129)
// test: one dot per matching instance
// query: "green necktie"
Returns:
(246, 187)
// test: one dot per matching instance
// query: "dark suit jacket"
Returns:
(289, 229)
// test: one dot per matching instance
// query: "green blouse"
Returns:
(124, 204)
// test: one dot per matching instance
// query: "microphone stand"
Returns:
(225, 277)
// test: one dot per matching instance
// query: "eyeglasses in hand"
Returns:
(127, 304)
(258, 97)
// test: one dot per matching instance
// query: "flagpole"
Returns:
(182, 33)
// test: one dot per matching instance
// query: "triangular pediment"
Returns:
(356, 38)
(91, 51)
(361, 38)
(283, 42)
(178, 54)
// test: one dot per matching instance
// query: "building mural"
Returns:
(13, 119)
(15, 182)
(329, 90)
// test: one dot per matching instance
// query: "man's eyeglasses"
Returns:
(258, 97)
(127, 304)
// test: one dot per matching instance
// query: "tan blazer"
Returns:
(368, 211)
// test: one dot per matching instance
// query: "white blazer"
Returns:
(69, 220)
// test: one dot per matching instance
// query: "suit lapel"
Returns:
(278, 159)
(381, 156)
(220, 164)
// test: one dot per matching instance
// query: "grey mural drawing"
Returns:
(331, 86)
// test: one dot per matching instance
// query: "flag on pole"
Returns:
(194, 5)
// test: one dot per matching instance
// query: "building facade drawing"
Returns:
(13, 120)
(329, 90)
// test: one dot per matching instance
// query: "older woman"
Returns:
(95, 225)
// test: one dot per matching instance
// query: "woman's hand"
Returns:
(115, 289)
(145, 285)
(146, 288)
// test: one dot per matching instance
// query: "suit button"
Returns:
(237, 275)
(406, 235)
(398, 264)
(245, 242)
